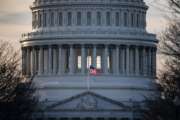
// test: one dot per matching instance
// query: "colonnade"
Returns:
(121, 60)
(134, 18)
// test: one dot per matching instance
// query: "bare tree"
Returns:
(175, 5)
(159, 110)
(167, 106)
(9, 72)
(17, 99)
(170, 48)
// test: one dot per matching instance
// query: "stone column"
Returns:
(60, 60)
(54, 61)
(114, 60)
(154, 62)
(32, 61)
(24, 61)
(117, 60)
(49, 60)
(40, 72)
(83, 59)
(28, 62)
(144, 62)
(106, 59)
(94, 56)
(137, 61)
(71, 60)
(127, 60)
(149, 62)
(36, 61)
(131, 70)
(123, 61)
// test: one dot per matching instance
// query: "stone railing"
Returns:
(50, 2)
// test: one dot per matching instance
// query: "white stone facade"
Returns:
(70, 35)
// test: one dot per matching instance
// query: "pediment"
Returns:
(88, 101)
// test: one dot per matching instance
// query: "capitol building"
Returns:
(69, 36)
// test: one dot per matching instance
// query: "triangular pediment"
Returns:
(88, 101)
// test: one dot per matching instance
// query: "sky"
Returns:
(15, 18)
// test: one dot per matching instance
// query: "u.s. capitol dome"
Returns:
(69, 36)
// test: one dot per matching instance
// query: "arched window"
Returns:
(79, 22)
(144, 19)
(60, 16)
(137, 21)
(98, 18)
(132, 19)
(40, 20)
(108, 19)
(117, 20)
(125, 19)
(69, 18)
(33, 20)
(140, 19)
(52, 19)
(89, 17)
(44, 19)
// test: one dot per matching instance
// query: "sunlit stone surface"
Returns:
(70, 35)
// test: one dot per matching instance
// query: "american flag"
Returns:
(93, 70)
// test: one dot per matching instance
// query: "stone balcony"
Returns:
(88, 32)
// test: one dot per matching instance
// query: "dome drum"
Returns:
(89, 16)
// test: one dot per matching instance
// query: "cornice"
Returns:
(53, 5)
(89, 33)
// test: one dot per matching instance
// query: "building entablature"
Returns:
(87, 42)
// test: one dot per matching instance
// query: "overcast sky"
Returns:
(15, 18)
